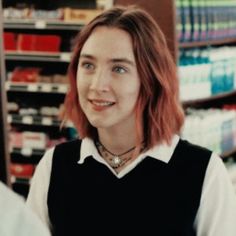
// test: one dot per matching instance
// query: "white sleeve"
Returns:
(16, 218)
(217, 212)
(37, 197)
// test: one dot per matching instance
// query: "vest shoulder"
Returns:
(67, 149)
(68, 144)
(194, 148)
(190, 152)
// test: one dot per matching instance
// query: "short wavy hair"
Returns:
(159, 114)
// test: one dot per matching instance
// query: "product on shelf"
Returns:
(60, 79)
(42, 43)
(22, 170)
(28, 74)
(9, 40)
(34, 139)
(28, 111)
(207, 72)
(212, 128)
(55, 78)
(81, 16)
(205, 20)
(28, 139)
(12, 107)
(36, 14)
(14, 13)
(15, 139)
(49, 111)
(45, 79)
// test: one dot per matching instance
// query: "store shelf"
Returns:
(36, 87)
(32, 120)
(38, 56)
(27, 152)
(29, 98)
(216, 42)
(214, 98)
(41, 24)
(20, 180)
(37, 120)
(228, 153)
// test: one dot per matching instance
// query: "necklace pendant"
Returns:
(116, 161)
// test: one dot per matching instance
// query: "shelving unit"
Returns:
(32, 99)
(215, 100)
(38, 56)
(36, 87)
(4, 153)
(231, 152)
(41, 24)
(219, 35)
(216, 42)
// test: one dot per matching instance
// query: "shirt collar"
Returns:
(162, 152)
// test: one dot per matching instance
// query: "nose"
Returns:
(100, 81)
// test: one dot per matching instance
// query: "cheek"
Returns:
(82, 86)
(81, 94)
(136, 93)
(130, 86)
(130, 96)
(135, 90)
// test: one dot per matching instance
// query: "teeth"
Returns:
(102, 103)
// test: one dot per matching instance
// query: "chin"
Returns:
(98, 123)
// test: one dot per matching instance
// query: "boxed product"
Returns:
(29, 74)
(41, 43)
(34, 140)
(9, 40)
(22, 170)
(80, 16)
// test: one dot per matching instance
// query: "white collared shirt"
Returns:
(216, 215)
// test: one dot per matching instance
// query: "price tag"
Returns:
(27, 120)
(47, 121)
(10, 149)
(9, 119)
(65, 56)
(32, 87)
(40, 24)
(13, 179)
(62, 88)
(26, 151)
(46, 88)
(7, 86)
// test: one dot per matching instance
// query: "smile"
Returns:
(101, 103)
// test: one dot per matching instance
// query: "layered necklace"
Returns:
(114, 160)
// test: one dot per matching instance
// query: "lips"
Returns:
(101, 104)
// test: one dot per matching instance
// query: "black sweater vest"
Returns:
(155, 198)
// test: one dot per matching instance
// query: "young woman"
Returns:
(129, 172)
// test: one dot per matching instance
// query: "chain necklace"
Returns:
(115, 160)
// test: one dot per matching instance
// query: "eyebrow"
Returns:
(114, 60)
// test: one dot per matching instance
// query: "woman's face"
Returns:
(107, 79)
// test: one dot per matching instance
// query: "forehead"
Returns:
(109, 41)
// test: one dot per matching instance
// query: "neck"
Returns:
(117, 142)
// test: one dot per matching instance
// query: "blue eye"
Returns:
(119, 70)
(87, 66)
